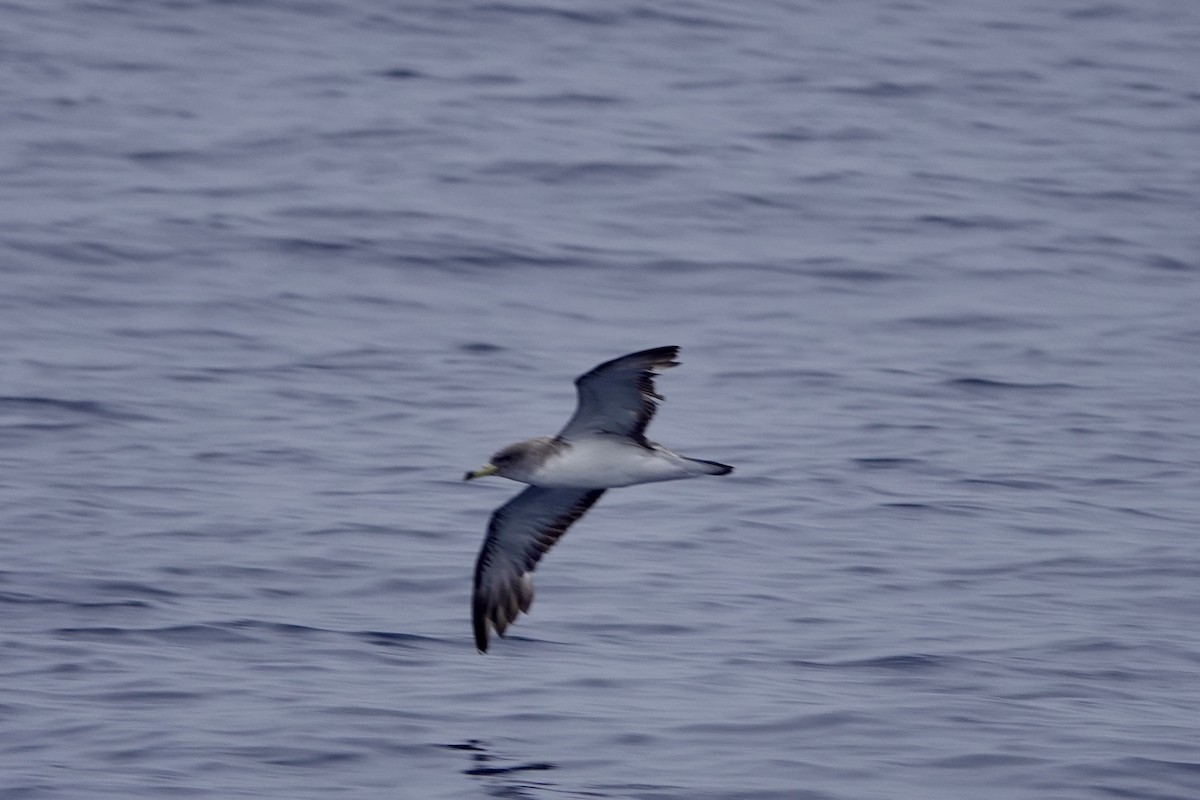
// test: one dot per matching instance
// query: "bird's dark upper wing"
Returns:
(519, 533)
(618, 396)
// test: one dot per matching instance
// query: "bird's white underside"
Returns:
(607, 462)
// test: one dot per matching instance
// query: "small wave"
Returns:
(904, 662)
(978, 222)
(536, 765)
(392, 638)
(562, 14)
(1170, 264)
(887, 462)
(975, 761)
(1008, 483)
(297, 757)
(884, 89)
(20, 598)
(175, 634)
(985, 322)
(90, 408)
(991, 384)
(578, 172)
(566, 99)
(401, 73)
(481, 347)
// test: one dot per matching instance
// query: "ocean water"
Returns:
(273, 274)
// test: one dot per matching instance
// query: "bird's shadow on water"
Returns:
(503, 776)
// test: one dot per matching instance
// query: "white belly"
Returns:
(604, 464)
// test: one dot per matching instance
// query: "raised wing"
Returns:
(519, 533)
(618, 396)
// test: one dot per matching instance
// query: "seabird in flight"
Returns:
(603, 446)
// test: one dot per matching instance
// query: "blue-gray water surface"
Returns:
(273, 274)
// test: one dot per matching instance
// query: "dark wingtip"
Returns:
(665, 353)
(479, 623)
(668, 353)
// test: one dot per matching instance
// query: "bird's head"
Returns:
(500, 463)
(516, 462)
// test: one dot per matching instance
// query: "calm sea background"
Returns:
(273, 274)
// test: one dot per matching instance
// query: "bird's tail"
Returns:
(703, 467)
